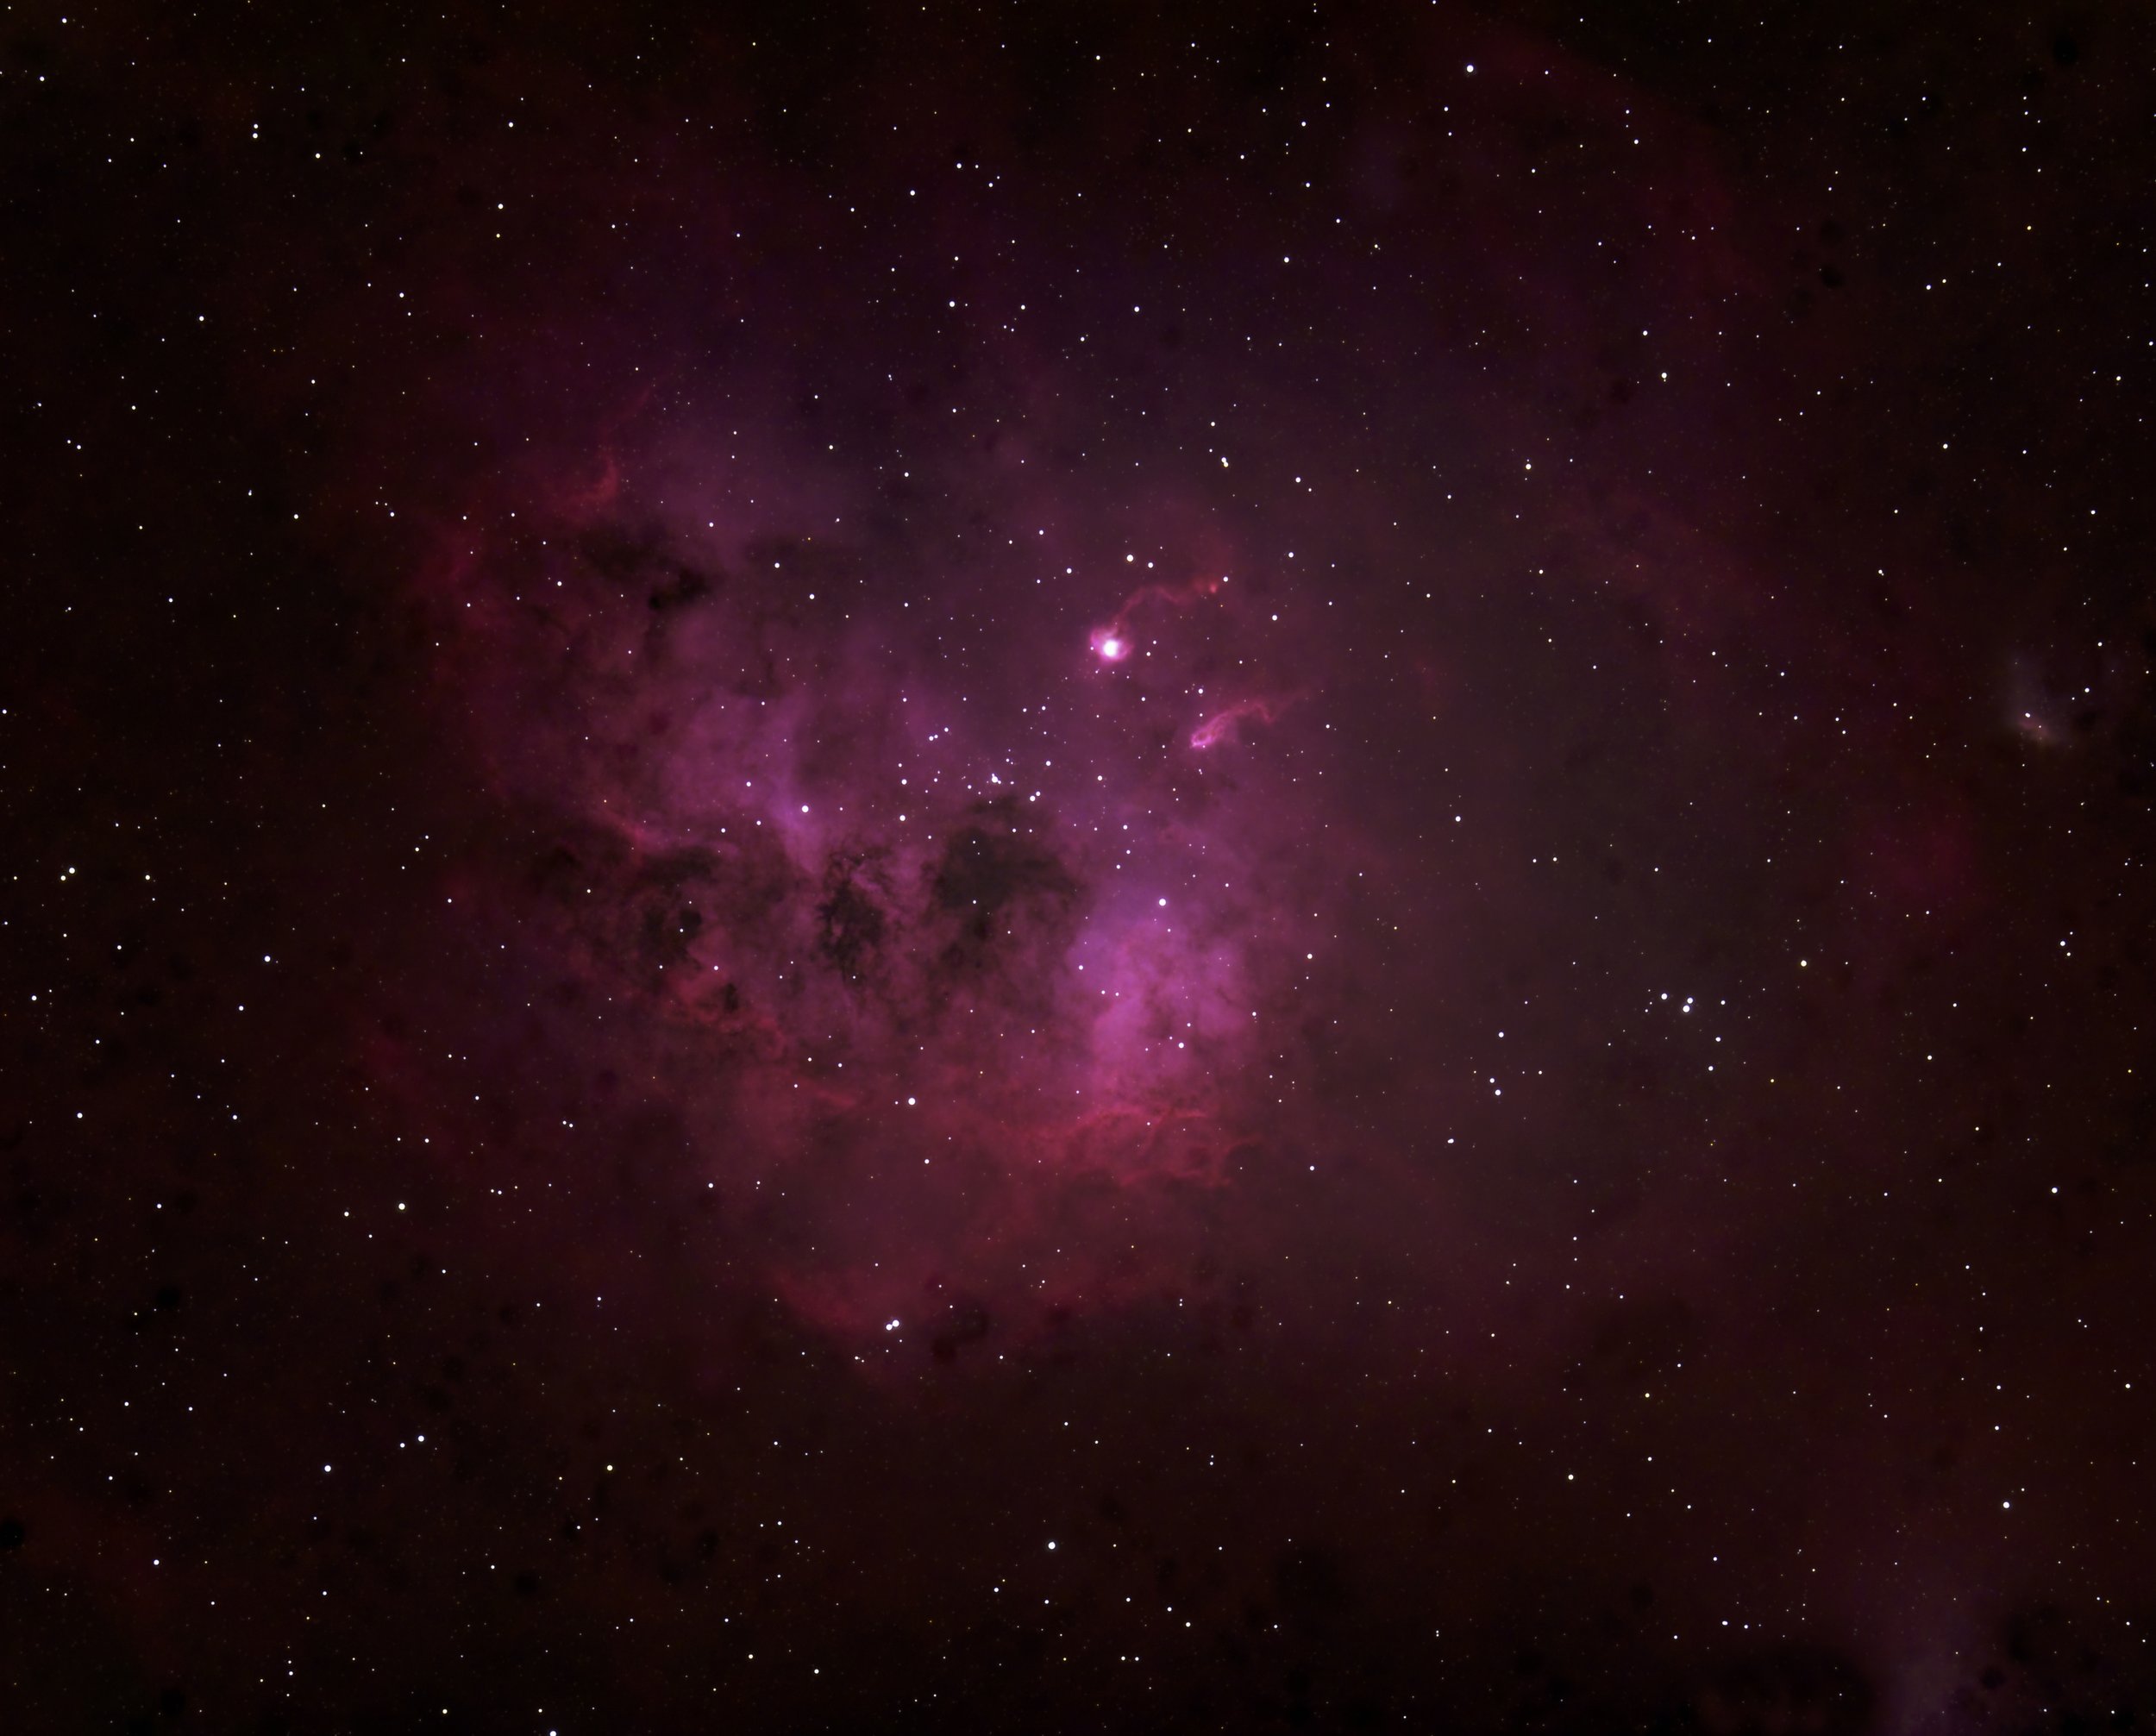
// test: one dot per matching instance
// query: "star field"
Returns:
(1013, 869)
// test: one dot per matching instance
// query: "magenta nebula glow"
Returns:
(910, 870)
(912, 931)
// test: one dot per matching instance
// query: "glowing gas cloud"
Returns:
(1223, 725)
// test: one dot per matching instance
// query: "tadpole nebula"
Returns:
(1037, 869)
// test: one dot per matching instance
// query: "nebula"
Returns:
(981, 969)
(1030, 869)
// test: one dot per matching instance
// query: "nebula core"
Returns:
(1017, 868)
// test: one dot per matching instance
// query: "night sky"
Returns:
(885, 867)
